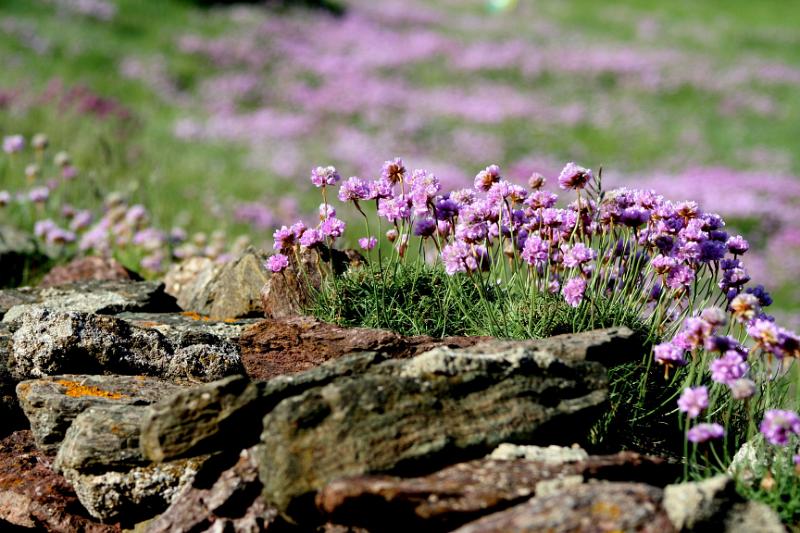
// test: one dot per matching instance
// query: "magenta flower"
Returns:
(737, 245)
(39, 195)
(577, 255)
(393, 171)
(487, 177)
(310, 238)
(574, 177)
(277, 263)
(704, 432)
(5, 198)
(778, 425)
(536, 251)
(13, 144)
(425, 228)
(284, 238)
(680, 277)
(367, 243)
(353, 189)
(393, 209)
(693, 400)
(326, 211)
(323, 176)
(573, 291)
(728, 368)
(765, 333)
(668, 353)
(332, 227)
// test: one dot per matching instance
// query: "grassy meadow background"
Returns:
(212, 117)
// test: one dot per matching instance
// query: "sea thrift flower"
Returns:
(737, 245)
(326, 211)
(574, 177)
(714, 316)
(778, 425)
(32, 171)
(353, 189)
(13, 144)
(393, 171)
(323, 176)
(310, 238)
(668, 354)
(536, 251)
(69, 172)
(487, 177)
(765, 333)
(5, 198)
(425, 228)
(536, 181)
(392, 234)
(745, 307)
(574, 290)
(742, 388)
(704, 432)
(680, 277)
(284, 238)
(367, 243)
(277, 263)
(577, 255)
(43, 227)
(62, 159)
(728, 368)
(40, 142)
(693, 400)
(764, 297)
(332, 227)
(39, 195)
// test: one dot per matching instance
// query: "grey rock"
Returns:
(49, 342)
(211, 416)
(185, 329)
(13, 297)
(423, 411)
(52, 403)
(103, 437)
(231, 503)
(753, 517)
(232, 290)
(188, 278)
(10, 412)
(554, 455)
(132, 495)
(693, 506)
(598, 506)
(103, 297)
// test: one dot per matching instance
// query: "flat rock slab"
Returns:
(186, 328)
(228, 501)
(52, 403)
(13, 297)
(103, 297)
(274, 347)
(90, 268)
(461, 493)
(49, 342)
(33, 496)
(431, 410)
(598, 506)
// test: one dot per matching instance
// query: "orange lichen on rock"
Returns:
(79, 390)
(194, 315)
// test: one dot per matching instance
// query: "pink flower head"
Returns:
(737, 245)
(39, 195)
(326, 211)
(5, 198)
(574, 177)
(393, 170)
(778, 425)
(284, 238)
(367, 243)
(310, 238)
(353, 189)
(668, 353)
(704, 432)
(574, 290)
(277, 263)
(324, 176)
(693, 400)
(577, 255)
(332, 227)
(487, 177)
(13, 143)
(728, 368)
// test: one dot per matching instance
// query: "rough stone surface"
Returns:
(546, 454)
(48, 342)
(600, 506)
(753, 517)
(33, 496)
(52, 403)
(206, 418)
(461, 493)
(228, 291)
(88, 269)
(185, 329)
(103, 297)
(425, 411)
(189, 277)
(132, 495)
(10, 413)
(274, 347)
(13, 297)
(230, 501)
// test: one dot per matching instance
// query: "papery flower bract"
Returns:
(667, 353)
(392, 235)
(778, 425)
(574, 177)
(693, 400)
(745, 307)
(764, 332)
(13, 143)
(704, 432)
(742, 389)
(324, 176)
(393, 170)
(277, 263)
(574, 290)
(487, 177)
(536, 181)
(367, 243)
(728, 368)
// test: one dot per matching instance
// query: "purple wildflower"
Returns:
(326, 211)
(445, 209)
(353, 189)
(704, 432)
(39, 195)
(310, 238)
(60, 236)
(573, 291)
(712, 251)
(487, 177)
(425, 228)
(395, 208)
(778, 425)
(574, 177)
(277, 263)
(536, 251)
(728, 368)
(536, 181)
(745, 307)
(367, 243)
(635, 216)
(714, 316)
(737, 245)
(323, 176)
(332, 227)
(764, 297)
(284, 238)
(667, 353)
(577, 255)
(5, 198)
(380, 189)
(455, 256)
(43, 227)
(13, 143)
(693, 400)
(765, 333)
(680, 277)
